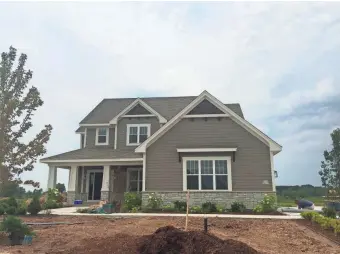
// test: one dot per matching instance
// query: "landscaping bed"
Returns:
(245, 212)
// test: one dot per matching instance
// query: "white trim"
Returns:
(205, 95)
(92, 160)
(202, 150)
(206, 115)
(80, 132)
(128, 170)
(85, 139)
(95, 124)
(132, 105)
(106, 178)
(107, 136)
(116, 134)
(184, 167)
(144, 170)
(148, 125)
(272, 170)
(150, 115)
(73, 178)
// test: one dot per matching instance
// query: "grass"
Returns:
(287, 202)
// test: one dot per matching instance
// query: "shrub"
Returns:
(180, 206)
(21, 210)
(220, 208)
(308, 215)
(329, 212)
(83, 210)
(11, 201)
(135, 209)
(209, 207)
(12, 224)
(2, 210)
(154, 202)
(10, 210)
(268, 204)
(131, 200)
(34, 207)
(238, 207)
(169, 208)
(195, 209)
(50, 204)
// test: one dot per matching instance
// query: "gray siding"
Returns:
(91, 137)
(138, 110)
(164, 172)
(122, 128)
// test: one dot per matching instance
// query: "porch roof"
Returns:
(95, 153)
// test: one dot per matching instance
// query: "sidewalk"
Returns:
(71, 211)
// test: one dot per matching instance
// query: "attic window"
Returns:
(102, 137)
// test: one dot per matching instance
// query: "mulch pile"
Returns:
(169, 239)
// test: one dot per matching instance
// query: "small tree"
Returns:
(34, 207)
(18, 102)
(330, 167)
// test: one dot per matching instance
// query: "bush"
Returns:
(169, 208)
(329, 212)
(11, 201)
(50, 204)
(12, 224)
(308, 215)
(34, 207)
(10, 210)
(268, 204)
(324, 222)
(154, 202)
(132, 200)
(238, 207)
(180, 206)
(83, 210)
(195, 209)
(209, 207)
(21, 210)
(2, 210)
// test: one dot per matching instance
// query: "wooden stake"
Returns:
(186, 219)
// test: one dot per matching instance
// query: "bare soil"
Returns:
(146, 236)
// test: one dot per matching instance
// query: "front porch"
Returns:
(92, 183)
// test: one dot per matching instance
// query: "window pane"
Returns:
(221, 182)
(133, 130)
(102, 132)
(221, 167)
(133, 139)
(207, 182)
(192, 167)
(140, 185)
(142, 138)
(192, 182)
(207, 167)
(133, 175)
(101, 139)
(143, 130)
(133, 186)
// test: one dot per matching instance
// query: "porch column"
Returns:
(72, 184)
(52, 177)
(105, 191)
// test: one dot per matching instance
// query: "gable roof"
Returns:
(167, 107)
(275, 147)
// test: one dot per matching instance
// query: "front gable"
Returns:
(139, 110)
(205, 108)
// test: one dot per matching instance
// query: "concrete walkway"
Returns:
(71, 211)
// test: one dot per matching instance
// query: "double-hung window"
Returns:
(137, 133)
(207, 173)
(102, 136)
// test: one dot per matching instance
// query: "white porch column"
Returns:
(73, 179)
(52, 177)
(106, 179)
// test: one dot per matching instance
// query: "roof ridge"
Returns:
(154, 97)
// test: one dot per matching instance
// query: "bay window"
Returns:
(207, 173)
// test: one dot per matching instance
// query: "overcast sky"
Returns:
(281, 61)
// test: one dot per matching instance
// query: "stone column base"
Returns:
(71, 196)
(105, 195)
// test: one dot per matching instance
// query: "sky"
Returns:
(279, 60)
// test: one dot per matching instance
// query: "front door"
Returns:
(95, 185)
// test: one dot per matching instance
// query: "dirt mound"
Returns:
(169, 239)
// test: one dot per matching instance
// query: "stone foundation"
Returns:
(249, 199)
(105, 195)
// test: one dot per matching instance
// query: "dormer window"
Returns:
(102, 136)
(137, 134)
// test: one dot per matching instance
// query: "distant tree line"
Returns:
(300, 191)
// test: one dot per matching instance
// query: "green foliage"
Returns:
(51, 204)
(18, 103)
(195, 209)
(324, 222)
(169, 208)
(330, 167)
(329, 212)
(83, 210)
(290, 202)
(132, 200)
(180, 206)
(308, 215)
(21, 210)
(238, 207)
(10, 210)
(220, 208)
(291, 192)
(135, 209)
(12, 224)
(60, 187)
(34, 207)
(209, 207)
(154, 201)
(268, 204)
(2, 210)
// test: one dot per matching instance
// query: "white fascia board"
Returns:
(205, 95)
(94, 124)
(91, 160)
(202, 150)
(206, 115)
(133, 104)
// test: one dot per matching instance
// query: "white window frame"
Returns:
(107, 136)
(138, 131)
(138, 180)
(227, 158)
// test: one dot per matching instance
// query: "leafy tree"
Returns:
(330, 167)
(12, 189)
(61, 187)
(18, 102)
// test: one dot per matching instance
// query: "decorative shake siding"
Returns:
(250, 170)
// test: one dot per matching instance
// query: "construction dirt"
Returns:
(151, 235)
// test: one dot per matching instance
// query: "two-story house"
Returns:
(168, 145)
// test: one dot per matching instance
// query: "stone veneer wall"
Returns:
(249, 199)
(71, 196)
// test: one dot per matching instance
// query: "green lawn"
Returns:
(287, 202)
